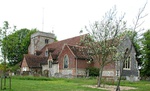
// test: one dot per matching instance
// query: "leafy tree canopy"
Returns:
(16, 44)
(146, 54)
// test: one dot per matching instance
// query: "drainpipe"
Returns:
(76, 67)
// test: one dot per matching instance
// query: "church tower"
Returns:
(39, 40)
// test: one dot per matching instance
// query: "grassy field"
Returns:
(61, 84)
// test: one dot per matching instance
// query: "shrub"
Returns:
(93, 71)
(35, 78)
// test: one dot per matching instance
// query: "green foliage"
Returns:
(93, 71)
(36, 78)
(138, 52)
(16, 44)
(55, 39)
(4, 66)
(14, 68)
(1, 67)
(146, 54)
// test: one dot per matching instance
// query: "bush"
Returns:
(36, 78)
(93, 71)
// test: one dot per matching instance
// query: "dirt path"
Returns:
(110, 87)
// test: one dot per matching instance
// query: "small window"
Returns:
(46, 53)
(127, 63)
(46, 41)
(50, 64)
(66, 61)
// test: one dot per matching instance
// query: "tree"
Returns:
(17, 45)
(103, 38)
(3, 32)
(1, 67)
(121, 56)
(146, 54)
(132, 35)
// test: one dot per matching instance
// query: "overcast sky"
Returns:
(65, 17)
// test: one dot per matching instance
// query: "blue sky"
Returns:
(66, 17)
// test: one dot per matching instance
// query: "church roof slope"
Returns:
(80, 52)
(57, 46)
(35, 61)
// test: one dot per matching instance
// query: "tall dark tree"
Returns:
(146, 54)
(17, 45)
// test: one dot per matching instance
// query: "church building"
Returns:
(69, 58)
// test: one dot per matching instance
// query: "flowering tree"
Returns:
(103, 38)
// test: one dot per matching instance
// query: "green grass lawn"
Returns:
(51, 84)
(140, 85)
(62, 84)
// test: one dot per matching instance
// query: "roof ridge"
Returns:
(65, 39)
(76, 46)
(34, 55)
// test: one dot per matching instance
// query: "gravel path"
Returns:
(110, 87)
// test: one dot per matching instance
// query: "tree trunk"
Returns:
(126, 55)
(4, 74)
(100, 76)
(118, 84)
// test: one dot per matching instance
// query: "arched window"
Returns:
(66, 61)
(127, 63)
(50, 64)
(46, 52)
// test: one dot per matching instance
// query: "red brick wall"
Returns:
(95, 64)
(72, 61)
(107, 69)
(82, 64)
(109, 66)
(24, 64)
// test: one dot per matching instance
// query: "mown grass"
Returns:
(21, 83)
(50, 84)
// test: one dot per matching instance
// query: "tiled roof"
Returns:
(57, 46)
(35, 61)
(38, 52)
(80, 52)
